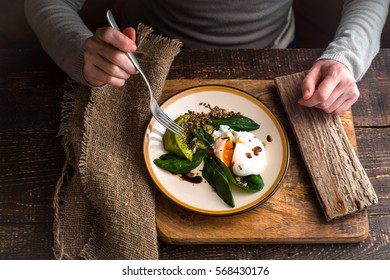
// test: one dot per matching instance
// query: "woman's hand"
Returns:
(330, 86)
(105, 58)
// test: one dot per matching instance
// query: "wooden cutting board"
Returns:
(292, 215)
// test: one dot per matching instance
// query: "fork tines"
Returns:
(169, 124)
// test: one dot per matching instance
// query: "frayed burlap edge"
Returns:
(70, 163)
(67, 117)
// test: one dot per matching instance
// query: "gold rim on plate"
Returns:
(172, 186)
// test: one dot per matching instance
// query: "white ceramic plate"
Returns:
(201, 197)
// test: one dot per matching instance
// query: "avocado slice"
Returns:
(178, 144)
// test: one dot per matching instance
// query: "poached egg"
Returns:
(241, 151)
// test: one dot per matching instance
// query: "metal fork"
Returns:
(159, 114)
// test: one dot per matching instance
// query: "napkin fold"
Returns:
(104, 204)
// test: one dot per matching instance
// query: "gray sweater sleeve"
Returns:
(357, 40)
(61, 32)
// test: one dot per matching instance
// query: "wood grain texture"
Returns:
(29, 168)
(26, 241)
(31, 87)
(340, 181)
(292, 215)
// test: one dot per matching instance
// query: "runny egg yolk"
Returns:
(224, 148)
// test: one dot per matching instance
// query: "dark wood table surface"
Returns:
(31, 155)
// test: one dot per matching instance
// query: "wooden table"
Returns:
(31, 156)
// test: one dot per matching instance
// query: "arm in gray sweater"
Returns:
(62, 33)
(357, 39)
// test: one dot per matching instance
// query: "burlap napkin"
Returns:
(104, 202)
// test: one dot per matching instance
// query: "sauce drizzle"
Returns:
(189, 177)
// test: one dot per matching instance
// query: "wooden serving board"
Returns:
(292, 215)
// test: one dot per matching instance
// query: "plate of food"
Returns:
(233, 158)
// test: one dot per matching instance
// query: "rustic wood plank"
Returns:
(341, 182)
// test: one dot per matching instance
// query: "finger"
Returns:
(95, 50)
(96, 75)
(116, 38)
(345, 106)
(110, 61)
(104, 63)
(327, 105)
(118, 58)
(310, 82)
(343, 92)
(110, 46)
(332, 107)
(109, 68)
(130, 32)
(101, 71)
(323, 92)
(343, 103)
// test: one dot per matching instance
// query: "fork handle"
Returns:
(134, 61)
(112, 22)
